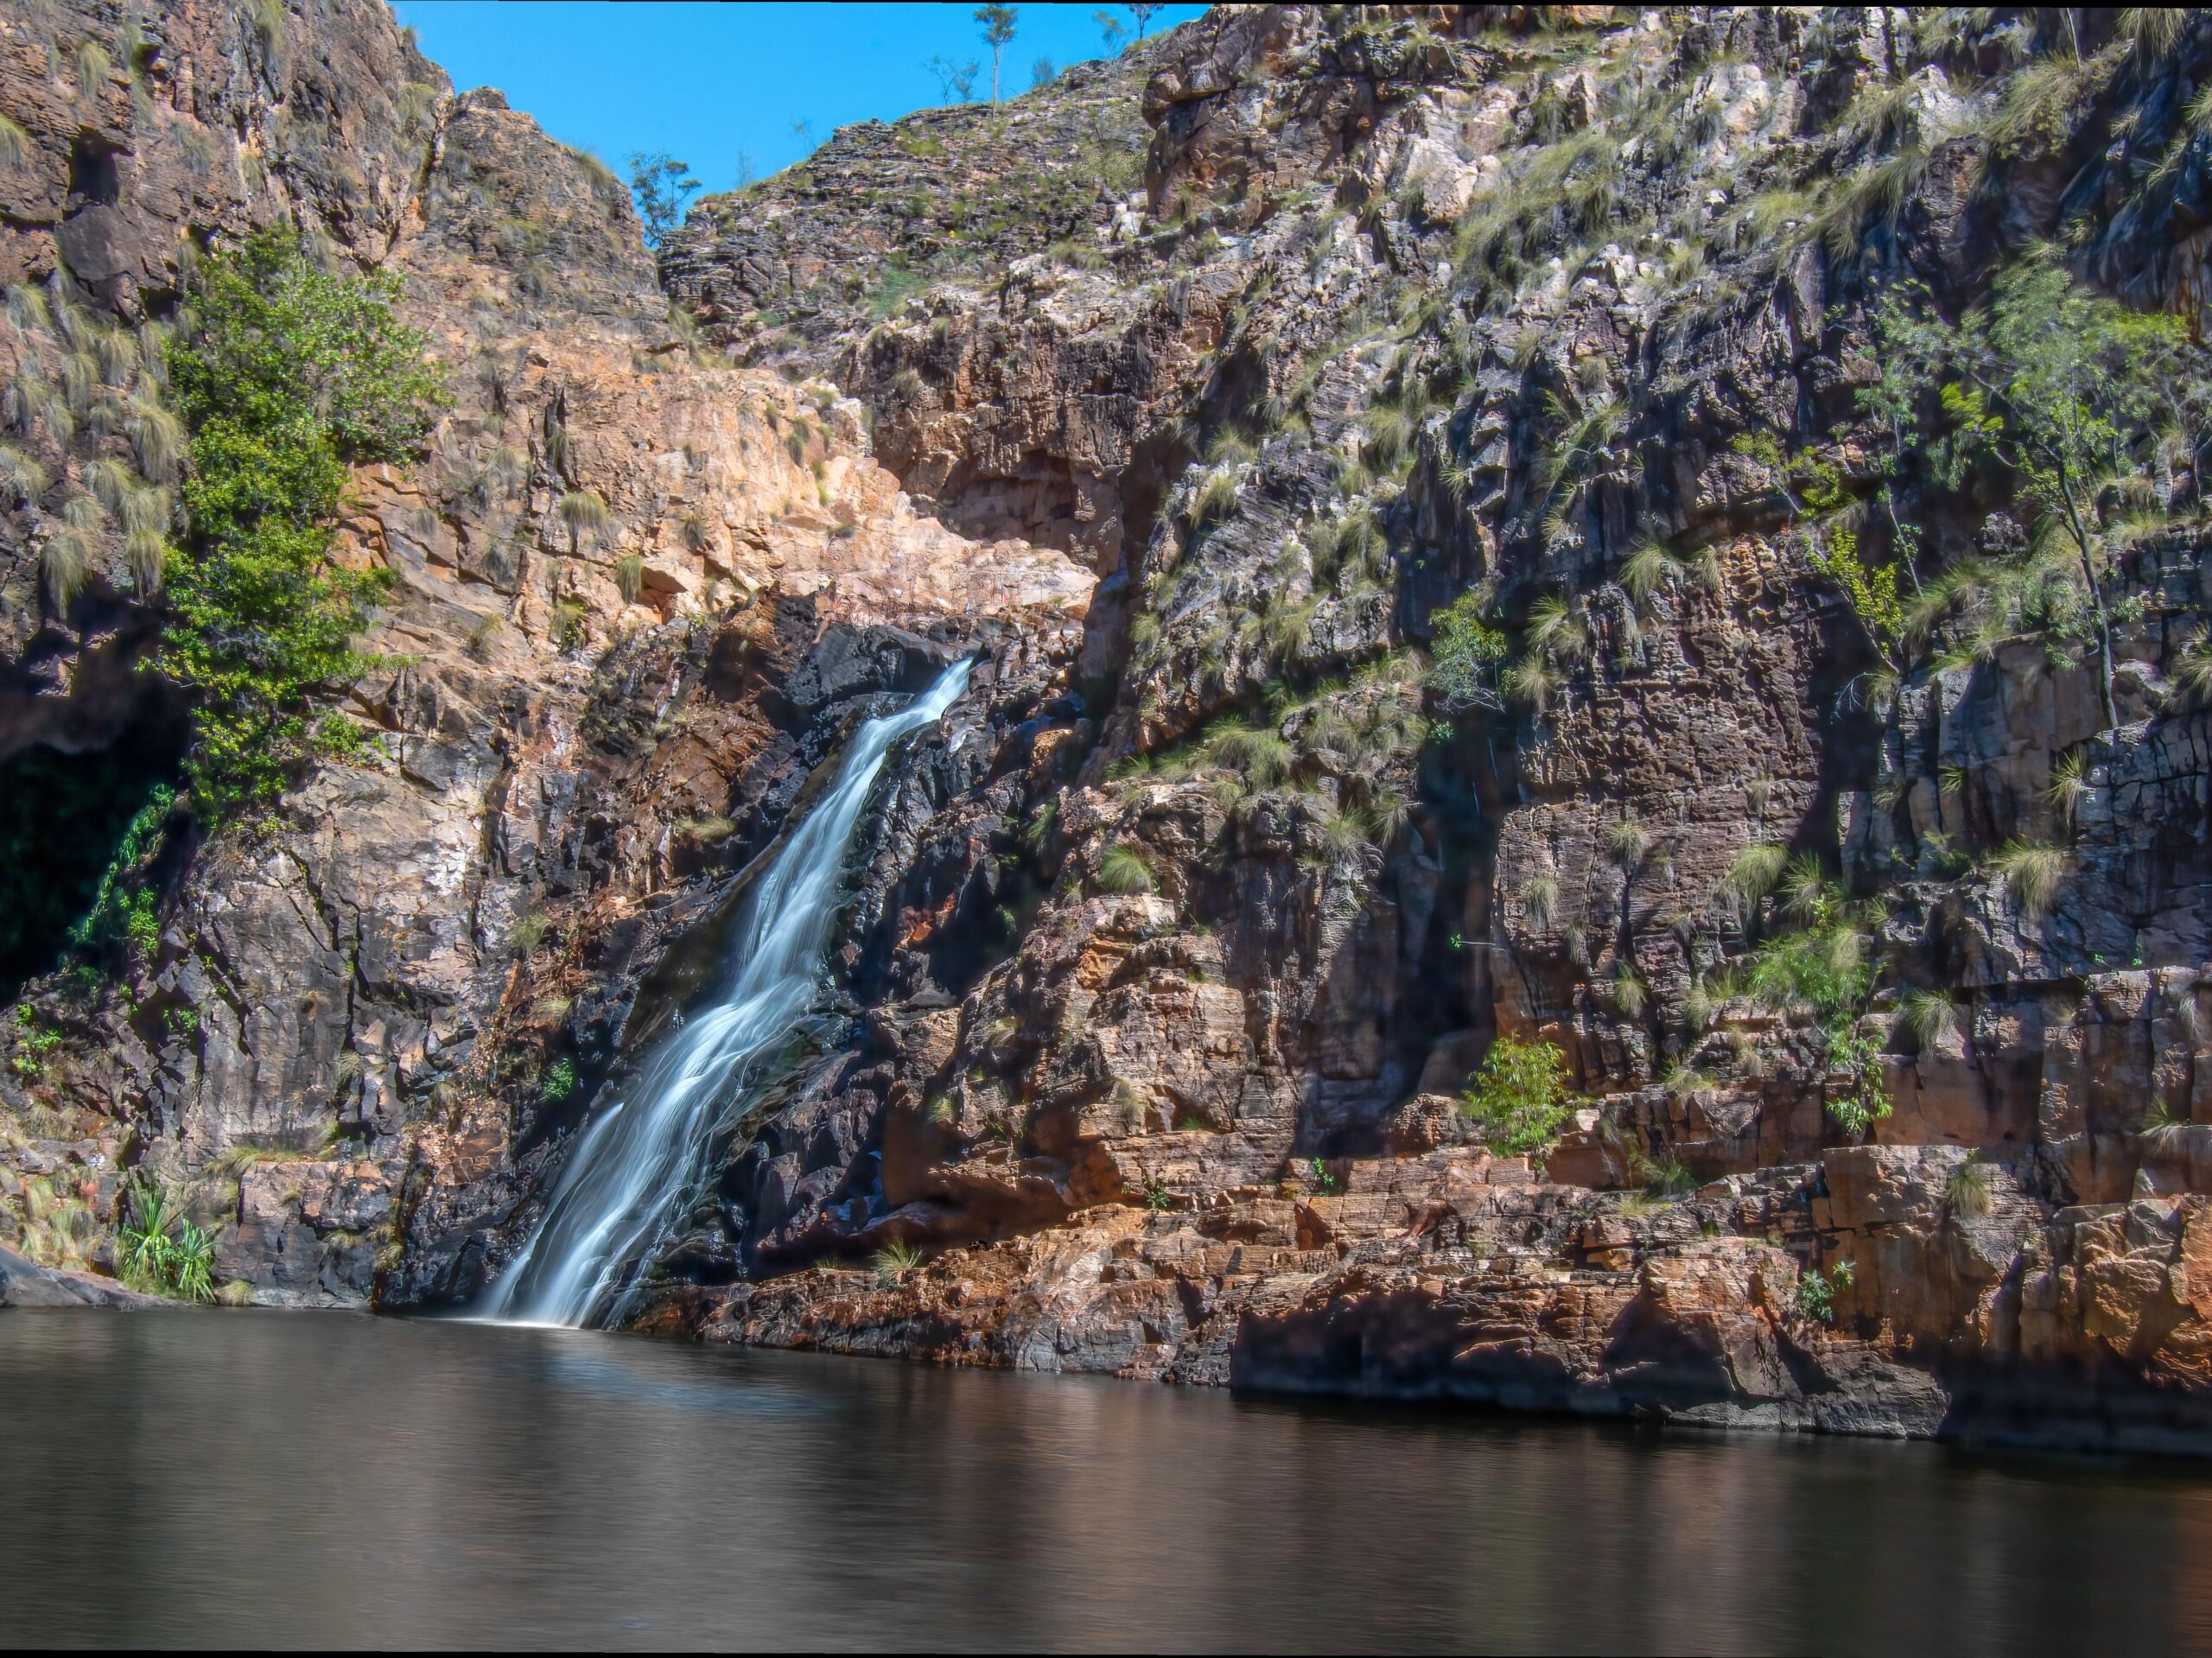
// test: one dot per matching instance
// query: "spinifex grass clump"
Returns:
(893, 1262)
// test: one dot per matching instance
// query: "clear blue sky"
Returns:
(707, 84)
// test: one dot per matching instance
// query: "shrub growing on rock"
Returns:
(161, 1250)
(1817, 1292)
(1518, 1097)
(289, 375)
(1465, 655)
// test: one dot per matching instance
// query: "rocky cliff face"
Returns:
(1197, 391)
(351, 1011)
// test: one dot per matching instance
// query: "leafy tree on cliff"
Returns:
(998, 35)
(664, 189)
(284, 377)
(1519, 1096)
(2072, 392)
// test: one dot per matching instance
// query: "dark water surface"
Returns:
(328, 1479)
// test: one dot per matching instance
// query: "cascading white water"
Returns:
(641, 1161)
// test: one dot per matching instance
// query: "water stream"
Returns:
(642, 1160)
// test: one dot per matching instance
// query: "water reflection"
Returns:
(326, 1479)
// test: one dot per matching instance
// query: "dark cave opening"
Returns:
(62, 817)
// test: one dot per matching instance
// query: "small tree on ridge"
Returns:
(998, 33)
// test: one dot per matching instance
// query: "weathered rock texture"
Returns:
(351, 1011)
(1170, 950)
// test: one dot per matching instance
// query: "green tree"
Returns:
(1143, 14)
(664, 189)
(998, 35)
(1519, 1096)
(1465, 657)
(1110, 32)
(2070, 390)
(286, 376)
(1894, 400)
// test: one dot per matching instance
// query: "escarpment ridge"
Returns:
(1570, 797)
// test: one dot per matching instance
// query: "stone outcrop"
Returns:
(26, 1284)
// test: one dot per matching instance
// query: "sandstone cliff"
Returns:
(1196, 389)
(371, 987)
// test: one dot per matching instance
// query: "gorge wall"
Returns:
(1208, 392)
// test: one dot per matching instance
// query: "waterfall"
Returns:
(642, 1160)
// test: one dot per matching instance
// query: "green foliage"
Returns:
(2032, 872)
(1532, 680)
(1388, 441)
(64, 564)
(1670, 1178)
(62, 817)
(1519, 1096)
(892, 289)
(1872, 593)
(1038, 834)
(161, 1250)
(1967, 1192)
(125, 907)
(569, 627)
(2069, 783)
(586, 514)
(1465, 656)
(289, 376)
(1123, 870)
(1256, 753)
(1648, 568)
(1557, 631)
(893, 1262)
(1326, 1184)
(1213, 499)
(998, 30)
(1757, 871)
(661, 188)
(560, 1080)
(1928, 1016)
(1817, 1292)
(1821, 967)
(1825, 967)
(1865, 1100)
(34, 1044)
(2072, 391)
